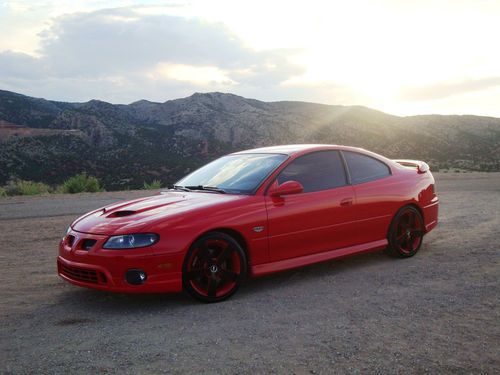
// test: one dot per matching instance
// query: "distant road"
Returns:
(78, 204)
(62, 204)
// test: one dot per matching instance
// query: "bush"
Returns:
(23, 187)
(156, 184)
(81, 183)
(3, 192)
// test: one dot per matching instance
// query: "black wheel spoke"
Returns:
(404, 244)
(411, 221)
(195, 273)
(228, 275)
(416, 232)
(204, 254)
(212, 287)
(224, 255)
(412, 244)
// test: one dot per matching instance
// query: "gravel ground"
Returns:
(437, 312)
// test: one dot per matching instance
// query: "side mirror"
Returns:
(423, 167)
(286, 188)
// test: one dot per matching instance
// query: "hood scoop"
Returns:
(136, 208)
(121, 213)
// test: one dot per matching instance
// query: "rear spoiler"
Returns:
(421, 166)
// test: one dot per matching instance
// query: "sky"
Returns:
(401, 57)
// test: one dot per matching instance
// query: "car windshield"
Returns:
(240, 173)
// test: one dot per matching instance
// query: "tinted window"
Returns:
(317, 171)
(364, 168)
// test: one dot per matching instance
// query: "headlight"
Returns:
(131, 241)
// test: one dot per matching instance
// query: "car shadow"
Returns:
(95, 300)
(313, 272)
(106, 302)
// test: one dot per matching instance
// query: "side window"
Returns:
(364, 168)
(316, 171)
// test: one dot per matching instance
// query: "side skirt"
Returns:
(282, 265)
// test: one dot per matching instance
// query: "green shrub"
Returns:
(156, 184)
(3, 192)
(23, 187)
(81, 183)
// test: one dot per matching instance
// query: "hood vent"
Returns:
(121, 213)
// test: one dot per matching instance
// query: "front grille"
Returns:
(82, 274)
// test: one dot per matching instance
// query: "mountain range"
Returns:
(126, 145)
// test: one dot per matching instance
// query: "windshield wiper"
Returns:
(215, 189)
(180, 187)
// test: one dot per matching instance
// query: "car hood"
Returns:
(137, 215)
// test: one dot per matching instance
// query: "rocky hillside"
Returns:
(125, 145)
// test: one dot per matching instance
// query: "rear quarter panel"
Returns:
(428, 201)
(378, 201)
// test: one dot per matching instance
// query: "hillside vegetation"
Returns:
(126, 145)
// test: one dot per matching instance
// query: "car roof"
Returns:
(293, 149)
(300, 149)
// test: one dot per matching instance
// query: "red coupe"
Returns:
(251, 213)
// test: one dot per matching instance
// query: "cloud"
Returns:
(201, 75)
(272, 69)
(121, 39)
(114, 49)
(15, 64)
(446, 89)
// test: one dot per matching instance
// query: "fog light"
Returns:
(136, 277)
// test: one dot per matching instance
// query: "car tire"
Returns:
(405, 233)
(214, 267)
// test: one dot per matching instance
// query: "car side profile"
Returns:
(252, 213)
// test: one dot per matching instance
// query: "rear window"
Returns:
(363, 168)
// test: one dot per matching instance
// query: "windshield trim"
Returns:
(270, 172)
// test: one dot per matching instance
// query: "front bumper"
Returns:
(101, 269)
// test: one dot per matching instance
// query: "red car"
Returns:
(249, 214)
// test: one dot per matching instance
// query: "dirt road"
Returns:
(437, 312)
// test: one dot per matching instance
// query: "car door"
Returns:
(376, 195)
(320, 218)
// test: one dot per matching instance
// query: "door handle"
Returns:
(346, 202)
